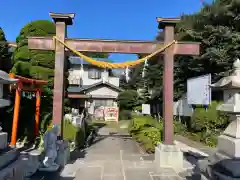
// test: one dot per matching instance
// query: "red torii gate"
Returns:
(31, 85)
(114, 46)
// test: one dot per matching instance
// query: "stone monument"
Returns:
(225, 163)
(51, 146)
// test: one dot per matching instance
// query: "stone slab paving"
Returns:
(196, 145)
(115, 157)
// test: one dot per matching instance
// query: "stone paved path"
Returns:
(118, 157)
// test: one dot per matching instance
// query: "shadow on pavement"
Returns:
(192, 174)
(50, 176)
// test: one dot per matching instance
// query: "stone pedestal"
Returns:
(33, 161)
(63, 154)
(3, 140)
(168, 156)
(15, 171)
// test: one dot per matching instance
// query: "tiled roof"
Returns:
(5, 79)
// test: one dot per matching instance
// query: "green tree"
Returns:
(128, 99)
(5, 56)
(217, 28)
(34, 63)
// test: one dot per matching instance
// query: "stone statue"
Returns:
(51, 146)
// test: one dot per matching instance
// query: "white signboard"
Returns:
(146, 109)
(198, 90)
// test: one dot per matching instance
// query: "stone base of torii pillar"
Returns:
(168, 156)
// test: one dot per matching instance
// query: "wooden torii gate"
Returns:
(114, 46)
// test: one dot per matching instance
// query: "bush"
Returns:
(179, 128)
(128, 99)
(147, 131)
(73, 134)
(140, 122)
(206, 125)
(125, 115)
(210, 119)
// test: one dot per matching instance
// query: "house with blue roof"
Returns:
(90, 86)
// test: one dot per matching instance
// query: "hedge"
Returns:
(149, 132)
(204, 126)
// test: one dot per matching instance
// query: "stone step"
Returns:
(7, 156)
(14, 171)
(190, 150)
(33, 160)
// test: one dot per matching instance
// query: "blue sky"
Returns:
(108, 19)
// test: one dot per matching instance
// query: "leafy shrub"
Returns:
(79, 138)
(206, 125)
(138, 108)
(140, 122)
(125, 115)
(73, 134)
(210, 119)
(179, 128)
(147, 131)
(153, 134)
(145, 143)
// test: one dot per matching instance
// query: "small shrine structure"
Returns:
(29, 85)
(225, 163)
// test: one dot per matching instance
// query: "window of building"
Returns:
(94, 74)
(103, 102)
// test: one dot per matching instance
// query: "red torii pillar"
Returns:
(37, 112)
(16, 113)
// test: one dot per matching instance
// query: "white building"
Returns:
(90, 86)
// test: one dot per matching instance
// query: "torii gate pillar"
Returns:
(167, 154)
(61, 21)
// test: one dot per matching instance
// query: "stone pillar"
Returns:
(61, 20)
(167, 154)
